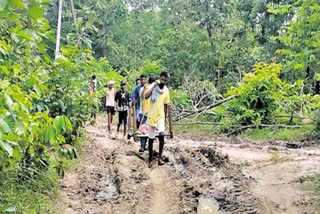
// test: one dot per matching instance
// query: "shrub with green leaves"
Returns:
(25, 136)
(256, 96)
(43, 102)
(68, 85)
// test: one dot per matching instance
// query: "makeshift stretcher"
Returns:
(135, 133)
(131, 124)
(157, 135)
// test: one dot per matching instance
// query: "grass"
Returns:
(315, 187)
(28, 194)
(277, 158)
(316, 181)
(25, 192)
(198, 130)
(286, 134)
(290, 134)
(245, 163)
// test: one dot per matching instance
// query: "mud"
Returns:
(208, 205)
(218, 176)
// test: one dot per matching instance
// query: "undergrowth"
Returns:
(286, 134)
(315, 179)
(21, 193)
(33, 190)
(304, 133)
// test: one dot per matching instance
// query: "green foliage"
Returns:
(22, 193)
(316, 181)
(180, 99)
(256, 97)
(214, 40)
(300, 38)
(196, 131)
(151, 68)
(68, 86)
(43, 102)
(262, 95)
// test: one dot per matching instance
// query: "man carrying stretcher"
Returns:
(159, 96)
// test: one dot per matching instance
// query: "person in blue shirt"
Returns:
(132, 93)
(137, 97)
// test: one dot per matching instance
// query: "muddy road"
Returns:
(216, 176)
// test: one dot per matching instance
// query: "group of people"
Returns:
(117, 101)
(149, 100)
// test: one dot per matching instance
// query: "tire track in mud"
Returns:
(209, 174)
(163, 199)
(277, 173)
(173, 188)
(85, 188)
(104, 162)
(113, 178)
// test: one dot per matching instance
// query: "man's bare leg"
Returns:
(161, 146)
(124, 129)
(109, 122)
(150, 146)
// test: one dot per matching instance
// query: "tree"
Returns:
(300, 37)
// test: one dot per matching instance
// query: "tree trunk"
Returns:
(57, 52)
(74, 15)
(317, 87)
(291, 118)
(104, 46)
(209, 26)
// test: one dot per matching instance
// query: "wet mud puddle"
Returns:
(209, 205)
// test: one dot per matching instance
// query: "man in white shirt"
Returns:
(110, 103)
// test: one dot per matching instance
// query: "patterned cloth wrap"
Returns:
(144, 128)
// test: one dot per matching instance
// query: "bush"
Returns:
(256, 96)
(43, 102)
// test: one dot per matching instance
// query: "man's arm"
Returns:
(116, 97)
(165, 110)
(166, 103)
(149, 92)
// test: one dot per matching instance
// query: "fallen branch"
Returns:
(210, 113)
(289, 116)
(213, 105)
(279, 126)
(197, 123)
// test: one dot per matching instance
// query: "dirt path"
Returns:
(237, 177)
(163, 199)
(279, 176)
